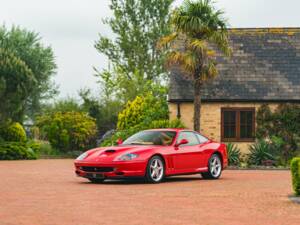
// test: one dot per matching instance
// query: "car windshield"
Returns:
(164, 138)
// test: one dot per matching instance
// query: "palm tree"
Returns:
(197, 26)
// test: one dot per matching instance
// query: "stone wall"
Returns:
(211, 118)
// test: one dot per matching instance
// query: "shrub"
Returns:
(69, 131)
(260, 154)
(124, 134)
(233, 154)
(35, 146)
(264, 119)
(165, 124)
(46, 149)
(16, 150)
(13, 133)
(282, 127)
(295, 169)
(143, 110)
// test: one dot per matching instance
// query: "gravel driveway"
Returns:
(47, 192)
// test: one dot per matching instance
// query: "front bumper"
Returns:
(119, 169)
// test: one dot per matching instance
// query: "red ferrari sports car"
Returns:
(154, 155)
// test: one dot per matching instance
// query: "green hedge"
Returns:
(16, 150)
(295, 169)
(68, 131)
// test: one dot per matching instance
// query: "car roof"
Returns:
(170, 129)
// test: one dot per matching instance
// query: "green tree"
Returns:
(134, 59)
(39, 60)
(197, 25)
(62, 105)
(16, 84)
(105, 110)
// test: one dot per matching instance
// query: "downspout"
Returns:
(178, 111)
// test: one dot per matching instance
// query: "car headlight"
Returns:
(82, 156)
(127, 157)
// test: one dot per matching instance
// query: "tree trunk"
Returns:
(197, 101)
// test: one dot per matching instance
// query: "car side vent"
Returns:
(110, 151)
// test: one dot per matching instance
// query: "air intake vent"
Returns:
(110, 151)
(97, 169)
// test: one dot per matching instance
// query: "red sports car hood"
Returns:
(109, 154)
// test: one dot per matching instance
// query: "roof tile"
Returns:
(265, 65)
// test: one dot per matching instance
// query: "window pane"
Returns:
(201, 138)
(229, 124)
(151, 138)
(246, 124)
(190, 136)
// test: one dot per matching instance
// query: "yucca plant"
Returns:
(233, 154)
(196, 25)
(260, 153)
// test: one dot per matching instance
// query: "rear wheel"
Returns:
(214, 168)
(96, 180)
(155, 170)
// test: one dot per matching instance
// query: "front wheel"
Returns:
(214, 168)
(155, 170)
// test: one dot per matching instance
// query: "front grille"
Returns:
(97, 169)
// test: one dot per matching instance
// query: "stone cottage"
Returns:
(264, 68)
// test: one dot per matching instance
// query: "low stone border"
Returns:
(257, 168)
(294, 199)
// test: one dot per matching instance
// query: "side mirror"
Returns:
(182, 142)
(119, 141)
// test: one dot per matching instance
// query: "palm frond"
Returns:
(189, 63)
(211, 53)
(220, 38)
(186, 60)
(209, 71)
(174, 57)
(197, 45)
(164, 41)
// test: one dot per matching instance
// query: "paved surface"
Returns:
(47, 192)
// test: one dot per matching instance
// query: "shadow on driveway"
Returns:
(136, 181)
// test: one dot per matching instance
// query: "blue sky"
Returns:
(72, 26)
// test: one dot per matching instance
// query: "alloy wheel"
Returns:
(156, 169)
(215, 166)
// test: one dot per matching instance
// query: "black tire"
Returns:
(213, 174)
(160, 171)
(96, 181)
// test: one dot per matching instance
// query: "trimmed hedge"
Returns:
(295, 169)
(16, 150)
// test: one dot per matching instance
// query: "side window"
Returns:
(201, 138)
(190, 136)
